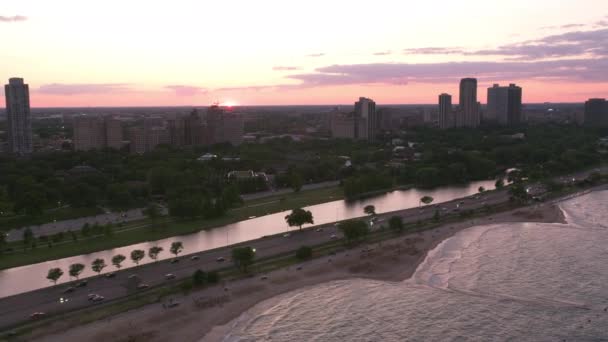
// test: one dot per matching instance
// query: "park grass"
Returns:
(145, 230)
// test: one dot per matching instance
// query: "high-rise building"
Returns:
(17, 96)
(88, 133)
(94, 132)
(446, 119)
(193, 129)
(224, 126)
(366, 121)
(113, 132)
(468, 111)
(342, 124)
(137, 139)
(596, 112)
(504, 105)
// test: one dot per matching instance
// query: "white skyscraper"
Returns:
(17, 96)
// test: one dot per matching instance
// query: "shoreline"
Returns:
(206, 315)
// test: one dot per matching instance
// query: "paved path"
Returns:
(77, 223)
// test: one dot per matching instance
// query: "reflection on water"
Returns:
(502, 282)
(31, 277)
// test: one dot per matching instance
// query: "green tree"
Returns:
(500, 183)
(299, 217)
(117, 260)
(176, 247)
(295, 181)
(152, 211)
(353, 230)
(199, 277)
(75, 270)
(98, 265)
(153, 252)
(304, 253)
(481, 189)
(427, 200)
(243, 257)
(213, 277)
(396, 223)
(369, 210)
(54, 274)
(28, 236)
(137, 255)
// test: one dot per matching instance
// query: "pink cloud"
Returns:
(13, 19)
(185, 90)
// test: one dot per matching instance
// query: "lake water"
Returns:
(27, 278)
(504, 282)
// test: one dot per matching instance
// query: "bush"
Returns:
(304, 253)
(186, 286)
(199, 277)
(213, 277)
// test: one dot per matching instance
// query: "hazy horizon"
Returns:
(275, 53)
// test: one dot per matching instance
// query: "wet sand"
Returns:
(205, 315)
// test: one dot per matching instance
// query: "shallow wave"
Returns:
(518, 281)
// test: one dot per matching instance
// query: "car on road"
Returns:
(82, 283)
(172, 304)
(142, 286)
(69, 290)
(286, 235)
(37, 315)
(97, 298)
(111, 275)
(263, 278)
(319, 230)
(174, 261)
(90, 296)
(169, 276)
(220, 259)
(333, 236)
(194, 257)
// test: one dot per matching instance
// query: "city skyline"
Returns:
(269, 54)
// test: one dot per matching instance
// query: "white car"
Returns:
(169, 276)
(220, 259)
(194, 257)
(333, 236)
(286, 235)
(98, 298)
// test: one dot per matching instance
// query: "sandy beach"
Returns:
(205, 314)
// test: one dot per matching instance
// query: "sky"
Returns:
(276, 52)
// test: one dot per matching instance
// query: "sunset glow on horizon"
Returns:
(187, 52)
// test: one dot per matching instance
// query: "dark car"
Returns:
(82, 283)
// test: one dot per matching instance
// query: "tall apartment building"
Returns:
(596, 112)
(504, 105)
(137, 139)
(468, 114)
(113, 131)
(366, 121)
(446, 118)
(94, 132)
(224, 126)
(17, 97)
